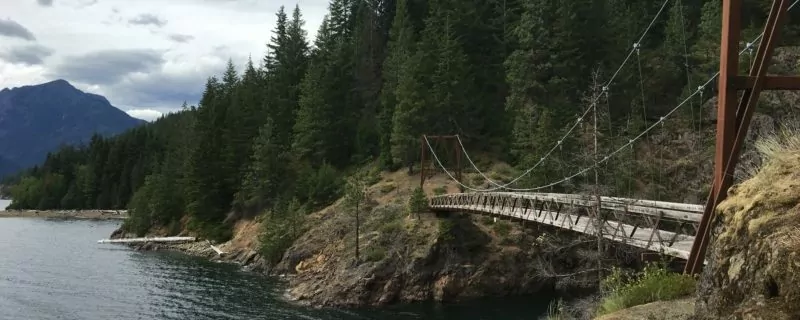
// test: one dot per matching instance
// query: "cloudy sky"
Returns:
(145, 56)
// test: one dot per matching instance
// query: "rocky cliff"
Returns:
(407, 257)
(753, 269)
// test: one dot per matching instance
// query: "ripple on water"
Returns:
(56, 270)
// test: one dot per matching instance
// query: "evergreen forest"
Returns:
(510, 77)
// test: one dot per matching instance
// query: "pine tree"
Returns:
(207, 186)
(289, 61)
(401, 47)
(265, 178)
(706, 49)
(408, 120)
(313, 129)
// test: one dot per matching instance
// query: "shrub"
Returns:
(654, 283)
(555, 311)
(389, 187)
(440, 190)
(279, 230)
(375, 254)
(477, 180)
(445, 229)
(501, 228)
(418, 202)
(392, 227)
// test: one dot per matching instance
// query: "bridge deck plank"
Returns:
(583, 224)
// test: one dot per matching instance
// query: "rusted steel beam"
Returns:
(732, 127)
(422, 145)
(769, 82)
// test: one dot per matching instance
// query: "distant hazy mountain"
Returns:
(35, 120)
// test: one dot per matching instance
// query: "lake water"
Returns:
(56, 270)
(4, 204)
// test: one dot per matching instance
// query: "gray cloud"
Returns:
(30, 54)
(145, 114)
(166, 92)
(84, 4)
(182, 38)
(46, 3)
(148, 19)
(108, 66)
(11, 28)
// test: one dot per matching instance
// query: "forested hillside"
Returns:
(38, 119)
(509, 76)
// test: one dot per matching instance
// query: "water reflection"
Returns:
(56, 270)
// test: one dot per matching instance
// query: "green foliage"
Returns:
(392, 227)
(654, 283)
(389, 187)
(417, 202)
(324, 186)
(509, 75)
(279, 229)
(501, 228)
(375, 254)
(439, 190)
(446, 229)
(555, 310)
(356, 189)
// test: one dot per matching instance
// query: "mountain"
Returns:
(37, 119)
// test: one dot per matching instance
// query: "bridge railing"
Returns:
(662, 209)
(640, 223)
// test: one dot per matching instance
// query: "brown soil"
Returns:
(681, 309)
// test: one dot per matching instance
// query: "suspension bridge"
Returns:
(676, 229)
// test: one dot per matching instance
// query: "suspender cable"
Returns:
(585, 113)
(686, 61)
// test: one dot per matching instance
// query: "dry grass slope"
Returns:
(753, 271)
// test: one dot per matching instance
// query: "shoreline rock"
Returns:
(67, 214)
(433, 271)
(403, 257)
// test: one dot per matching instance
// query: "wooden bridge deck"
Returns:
(576, 213)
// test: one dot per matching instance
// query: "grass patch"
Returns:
(654, 283)
(386, 188)
(374, 254)
(487, 220)
(392, 227)
(501, 228)
(439, 190)
(555, 311)
(497, 177)
(476, 180)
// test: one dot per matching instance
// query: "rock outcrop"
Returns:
(408, 258)
(404, 257)
(753, 269)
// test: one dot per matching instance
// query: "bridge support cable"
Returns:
(686, 65)
(580, 118)
(734, 118)
(424, 141)
(770, 82)
(441, 165)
